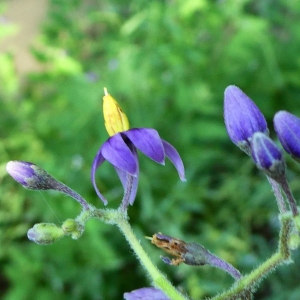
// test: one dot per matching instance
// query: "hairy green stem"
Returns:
(159, 280)
(120, 219)
(282, 256)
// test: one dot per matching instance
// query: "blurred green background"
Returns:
(167, 63)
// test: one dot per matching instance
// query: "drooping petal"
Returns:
(115, 151)
(175, 158)
(148, 141)
(146, 294)
(99, 159)
(129, 182)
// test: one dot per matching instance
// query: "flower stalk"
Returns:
(158, 279)
(278, 195)
(282, 256)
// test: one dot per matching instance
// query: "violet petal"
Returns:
(148, 141)
(130, 187)
(175, 158)
(99, 159)
(127, 186)
(117, 152)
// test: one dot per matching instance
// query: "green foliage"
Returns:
(167, 63)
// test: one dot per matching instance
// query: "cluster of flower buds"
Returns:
(247, 128)
(48, 233)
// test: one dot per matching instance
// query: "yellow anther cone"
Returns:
(115, 119)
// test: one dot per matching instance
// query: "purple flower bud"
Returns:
(287, 127)
(33, 177)
(267, 156)
(29, 175)
(242, 118)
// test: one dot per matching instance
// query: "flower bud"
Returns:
(287, 127)
(69, 226)
(242, 118)
(115, 119)
(267, 156)
(294, 241)
(33, 177)
(45, 233)
(29, 175)
(73, 228)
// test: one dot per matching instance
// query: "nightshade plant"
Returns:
(247, 128)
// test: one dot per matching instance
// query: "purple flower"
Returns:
(287, 127)
(146, 294)
(242, 117)
(267, 156)
(120, 151)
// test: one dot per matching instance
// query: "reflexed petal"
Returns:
(115, 151)
(242, 117)
(129, 187)
(174, 157)
(146, 294)
(287, 127)
(148, 141)
(99, 159)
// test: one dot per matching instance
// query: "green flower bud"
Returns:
(294, 241)
(69, 226)
(45, 233)
(73, 228)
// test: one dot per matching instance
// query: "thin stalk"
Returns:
(59, 186)
(278, 195)
(219, 263)
(159, 280)
(286, 188)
